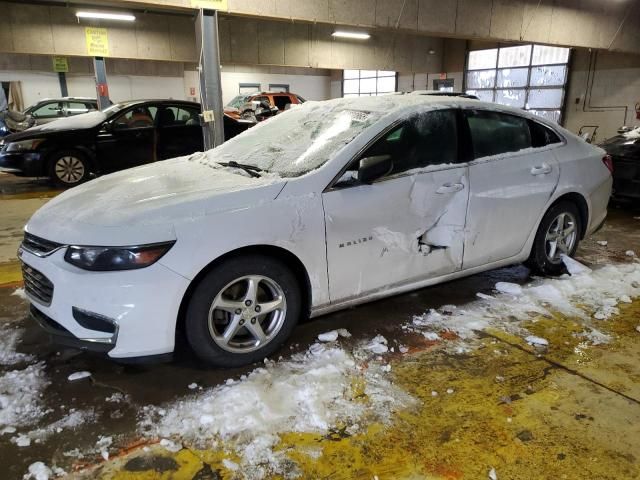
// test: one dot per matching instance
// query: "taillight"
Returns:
(608, 162)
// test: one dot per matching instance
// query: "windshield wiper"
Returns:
(250, 169)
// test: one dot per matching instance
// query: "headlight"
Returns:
(24, 145)
(116, 258)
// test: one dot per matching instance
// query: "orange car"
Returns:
(276, 99)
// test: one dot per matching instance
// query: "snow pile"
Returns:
(9, 338)
(21, 396)
(585, 294)
(313, 392)
(632, 134)
(73, 420)
(19, 292)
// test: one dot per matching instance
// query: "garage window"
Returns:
(531, 77)
(364, 83)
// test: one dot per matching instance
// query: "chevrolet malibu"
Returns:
(323, 207)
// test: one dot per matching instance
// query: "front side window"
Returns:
(494, 133)
(48, 110)
(138, 117)
(424, 139)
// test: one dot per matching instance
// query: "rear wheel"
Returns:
(242, 311)
(68, 168)
(558, 234)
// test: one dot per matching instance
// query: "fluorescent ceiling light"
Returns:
(106, 16)
(356, 35)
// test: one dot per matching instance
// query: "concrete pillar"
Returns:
(210, 83)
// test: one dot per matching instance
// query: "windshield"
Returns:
(302, 139)
(238, 101)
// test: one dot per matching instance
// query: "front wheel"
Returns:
(242, 311)
(68, 168)
(558, 235)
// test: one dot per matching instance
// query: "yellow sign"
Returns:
(210, 4)
(97, 42)
(60, 64)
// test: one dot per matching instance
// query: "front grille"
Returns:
(39, 246)
(37, 285)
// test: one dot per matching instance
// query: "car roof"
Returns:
(60, 99)
(161, 101)
(397, 102)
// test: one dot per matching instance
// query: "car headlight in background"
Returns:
(24, 145)
(116, 258)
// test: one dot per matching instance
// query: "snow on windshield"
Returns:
(304, 138)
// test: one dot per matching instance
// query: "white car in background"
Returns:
(329, 205)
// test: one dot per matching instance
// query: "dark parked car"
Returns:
(124, 135)
(624, 150)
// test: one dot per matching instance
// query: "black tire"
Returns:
(197, 315)
(68, 168)
(539, 260)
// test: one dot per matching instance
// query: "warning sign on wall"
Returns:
(60, 64)
(210, 4)
(97, 41)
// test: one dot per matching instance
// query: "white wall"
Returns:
(310, 87)
(39, 85)
(616, 83)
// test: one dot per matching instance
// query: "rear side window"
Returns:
(542, 136)
(494, 133)
(76, 108)
(428, 138)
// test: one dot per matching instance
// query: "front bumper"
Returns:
(27, 164)
(141, 304)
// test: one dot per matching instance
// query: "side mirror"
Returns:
(372, 168)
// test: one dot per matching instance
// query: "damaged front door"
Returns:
(407, 225)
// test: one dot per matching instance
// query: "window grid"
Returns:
(351, 78)
(490, 91)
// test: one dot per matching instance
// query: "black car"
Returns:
(124, 135)
(624, 150)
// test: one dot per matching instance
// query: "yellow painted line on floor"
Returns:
(10, 274)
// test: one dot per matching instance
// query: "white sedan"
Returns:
(323, 207)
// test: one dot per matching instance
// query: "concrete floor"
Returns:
(572, 412)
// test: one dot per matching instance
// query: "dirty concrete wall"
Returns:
(600, 97)
(585, 23)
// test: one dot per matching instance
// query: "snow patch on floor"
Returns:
(21, 402)
(9, 339)
(313, 392)
(19, 292)
(585, 294)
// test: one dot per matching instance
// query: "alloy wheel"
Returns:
(247, 314)
(561, 237)
(69, 169)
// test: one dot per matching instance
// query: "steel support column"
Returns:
(210, 85)
(102, 89)
(62, 77)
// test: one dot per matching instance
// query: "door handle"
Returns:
(450, 188)
(541, 169)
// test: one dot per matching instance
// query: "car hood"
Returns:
(143, 204)
(84, 121)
